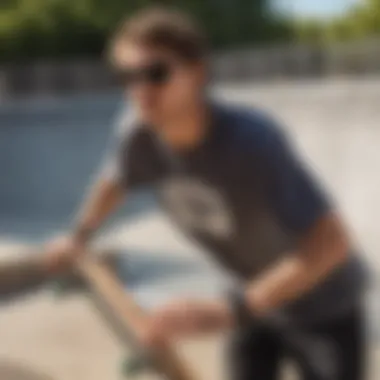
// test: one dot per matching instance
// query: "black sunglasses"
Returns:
(157, 73)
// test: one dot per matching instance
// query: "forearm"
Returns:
(104, 198)
(324, 249)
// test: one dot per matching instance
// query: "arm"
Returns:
(304, 210)
(109, 190)
(105, 195)
(322, 249)
(104, 198)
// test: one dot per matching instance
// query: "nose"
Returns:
(143, 89)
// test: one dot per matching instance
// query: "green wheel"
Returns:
(62, 287)
(59, 288)
(133, 366)
(66, 285)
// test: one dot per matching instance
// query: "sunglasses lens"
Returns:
(158, 73)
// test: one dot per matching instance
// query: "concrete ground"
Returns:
(337, 126)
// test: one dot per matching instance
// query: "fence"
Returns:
(44, 79)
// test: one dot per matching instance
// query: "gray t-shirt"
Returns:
(243, 194)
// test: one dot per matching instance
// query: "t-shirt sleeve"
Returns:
(114, 166)
(297, 199)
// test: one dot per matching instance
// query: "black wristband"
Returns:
(242, 313)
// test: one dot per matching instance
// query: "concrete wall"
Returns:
(48, 152)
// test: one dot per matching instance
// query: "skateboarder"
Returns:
(230, 179)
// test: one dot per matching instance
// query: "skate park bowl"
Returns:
(49, 152)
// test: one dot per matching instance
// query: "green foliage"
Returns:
(35, 29)
(359, 22)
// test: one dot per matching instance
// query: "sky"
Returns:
(315, 8)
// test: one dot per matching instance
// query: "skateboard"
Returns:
(96, 275)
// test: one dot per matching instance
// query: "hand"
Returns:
(62, 252)
(186, 318)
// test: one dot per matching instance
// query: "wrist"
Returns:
(82, 235)
(242, 312)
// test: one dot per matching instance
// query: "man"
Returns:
(229, 178)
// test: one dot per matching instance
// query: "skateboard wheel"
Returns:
(133, 366)
(60, 288)
(67, 285)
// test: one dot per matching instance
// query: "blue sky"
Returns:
(315, 8)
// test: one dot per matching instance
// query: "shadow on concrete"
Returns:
(15, 371)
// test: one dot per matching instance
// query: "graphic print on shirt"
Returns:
(197, 207)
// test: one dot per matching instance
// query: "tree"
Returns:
(359, 22)
(35, 29)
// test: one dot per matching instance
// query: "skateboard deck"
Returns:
(126, 317)
(115, 304)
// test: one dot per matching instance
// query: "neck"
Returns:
(189, 130)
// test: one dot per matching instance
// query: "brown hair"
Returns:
(162, 28)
